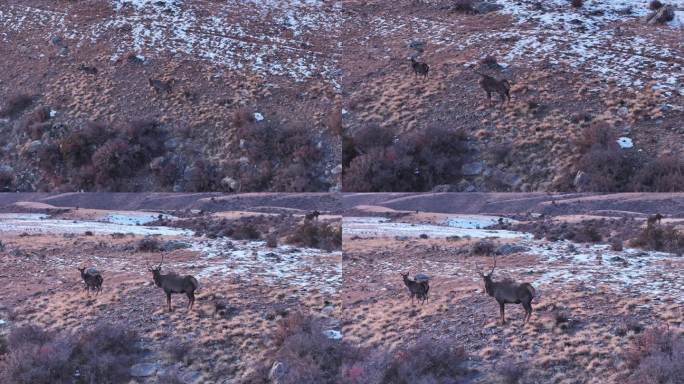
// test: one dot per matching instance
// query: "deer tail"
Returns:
(195, 283)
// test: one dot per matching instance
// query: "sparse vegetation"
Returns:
(148, 244)
(101, 354)
(317, 234)
(608, 168)
(15, 104)
(656, 357)
(657, 237)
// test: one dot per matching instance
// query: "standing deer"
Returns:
(312, 216)
(509, 292)
(92, 279)
(490, 84)
(654, 219)
(417, 289)
(160, 86)
(173, 283)
(419, 68)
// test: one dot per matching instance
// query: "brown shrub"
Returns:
(577, 3)
(663, 174)
(16, 104)
(415, 162)
(659, 237)
(317, 234)
(656, 357)
(101, 354)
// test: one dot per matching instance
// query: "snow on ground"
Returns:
(133, 218)
(40, 224)
(593, 266)
(302, 267)
(587, 38)
(263, 37)
(381, 227)
(552, 32)
(475, 221)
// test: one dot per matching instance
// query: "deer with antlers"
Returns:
(509, 292)
(173, 283)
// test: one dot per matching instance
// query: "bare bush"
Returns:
(16, 104)
(577, 3)
(148, 244)
(102, 354)
(659, 237)
(483, 248)
(415, 162)
(317, 234)
(656, 357)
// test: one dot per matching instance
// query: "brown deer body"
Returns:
(312, 216)
(491, 85)
(509, 292)
(419, 68)
(160, 86)
(417, 289)
(173, 283)
(654, 219)
(92, 279)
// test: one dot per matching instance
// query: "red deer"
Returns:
(417, 289)
(419, 68)
(654, 219)
(490, 85)
(92, 279)
(173, 283)
(509, 292)
(312, 216)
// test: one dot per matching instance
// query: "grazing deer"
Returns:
(312, 216)
(509, 292)
(654, 219)
(92, 279)
(490, 84)
(173, 283)
(417, 289)
(87, 69)
(160, 86)
(419, 68)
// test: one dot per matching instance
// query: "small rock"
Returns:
(277, 372)
(144, 369)
(472, 169)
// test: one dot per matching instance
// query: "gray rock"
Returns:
(581, 181)
(144, 369)
(172, 245)
(472, 169)
(508, 249)
(277, 372)
(661, 16)
(418, 45)
(486, 7)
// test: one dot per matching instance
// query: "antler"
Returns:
(162, 261)
(492, 271)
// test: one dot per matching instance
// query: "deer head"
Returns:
(487, 277)
(156, 272)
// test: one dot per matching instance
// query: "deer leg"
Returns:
(191, 300)
(501, 310)
(168, 300)
(528, 311)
